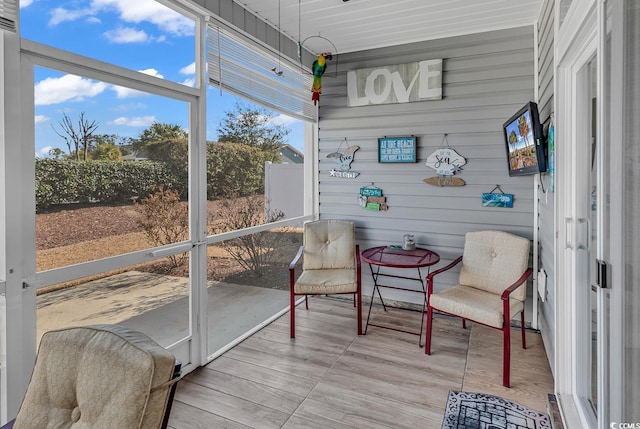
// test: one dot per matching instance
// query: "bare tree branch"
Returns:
(77, 139)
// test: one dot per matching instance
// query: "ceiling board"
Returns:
(359, 25)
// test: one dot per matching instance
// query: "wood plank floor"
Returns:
(328, 377)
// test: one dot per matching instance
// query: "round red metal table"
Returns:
(395, 257)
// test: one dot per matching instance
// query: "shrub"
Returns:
(65, 181)
(165, 220)
(252, 251)
(235, 169)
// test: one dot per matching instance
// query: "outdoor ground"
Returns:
(69, 234)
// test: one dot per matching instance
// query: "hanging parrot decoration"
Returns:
(318, 69)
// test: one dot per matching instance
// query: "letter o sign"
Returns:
(370, 90)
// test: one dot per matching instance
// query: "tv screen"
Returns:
(524, 142)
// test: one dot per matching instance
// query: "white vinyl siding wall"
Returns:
(546, 205)
(486, 78)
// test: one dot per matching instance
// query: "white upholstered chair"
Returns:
(491, 287)
(330, 265)
(99, 377)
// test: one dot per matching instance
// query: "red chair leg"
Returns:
(524, 341)
(306, 302)
(359, 309)
(354, 299)
(292, 314)
(506, 358)
(427, 339)
(464, 324)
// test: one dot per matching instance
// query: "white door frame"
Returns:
(616, 137)
(580, 37)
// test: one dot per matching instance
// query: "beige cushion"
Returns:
(329, 244)
(329, 256)
(493, 260)
(474, 304)
(327, 282)
(97, 377)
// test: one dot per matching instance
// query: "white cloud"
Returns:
(94, 20)
(165, 18)
(60, 15)
(129, 107)
(44, 151)
(190, 69)
(25, 3)
(69, 87)
(152, 72)
(122, 92)
(283, 120)
(38, 119)
(189, 82)
(136, 121)
(126, 35)
(152, 11)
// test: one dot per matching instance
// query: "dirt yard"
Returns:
(72, 234)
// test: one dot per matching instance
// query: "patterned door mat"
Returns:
(467, 410)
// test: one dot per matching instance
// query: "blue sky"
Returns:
(141, 35)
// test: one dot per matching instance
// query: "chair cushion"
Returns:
(97, 377)
(493, 260)
(474, 304)
(329, 244)
(327, 281)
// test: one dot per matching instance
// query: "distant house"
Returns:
(291, 155)
(133, 157)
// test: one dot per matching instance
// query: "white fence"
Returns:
(284, 188)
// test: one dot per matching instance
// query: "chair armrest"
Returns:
(432, 274)
(292, 268)
(507, 292)
(293, 263)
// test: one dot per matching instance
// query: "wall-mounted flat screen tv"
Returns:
(524, 142)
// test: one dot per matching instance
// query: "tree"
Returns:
(523, 129)
(78, 138)
(167, 143)
(109, 146)
(157, 133)
(234, 169)
(513, 138)
(106, 151)
(56, 153)
(253, 126)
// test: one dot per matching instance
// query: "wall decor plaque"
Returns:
(371, 198)
(445, 161)
(401, 83)
(344, 158)
(397, 149)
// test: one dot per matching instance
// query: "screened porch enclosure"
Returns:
(214, 289)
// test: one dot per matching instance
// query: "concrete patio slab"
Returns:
(158, 305)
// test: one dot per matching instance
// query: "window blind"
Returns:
(246, 69)
(8, 15)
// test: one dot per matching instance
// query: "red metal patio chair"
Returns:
(491, 289)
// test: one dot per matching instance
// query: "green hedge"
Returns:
(233, 169)
(66, 181)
